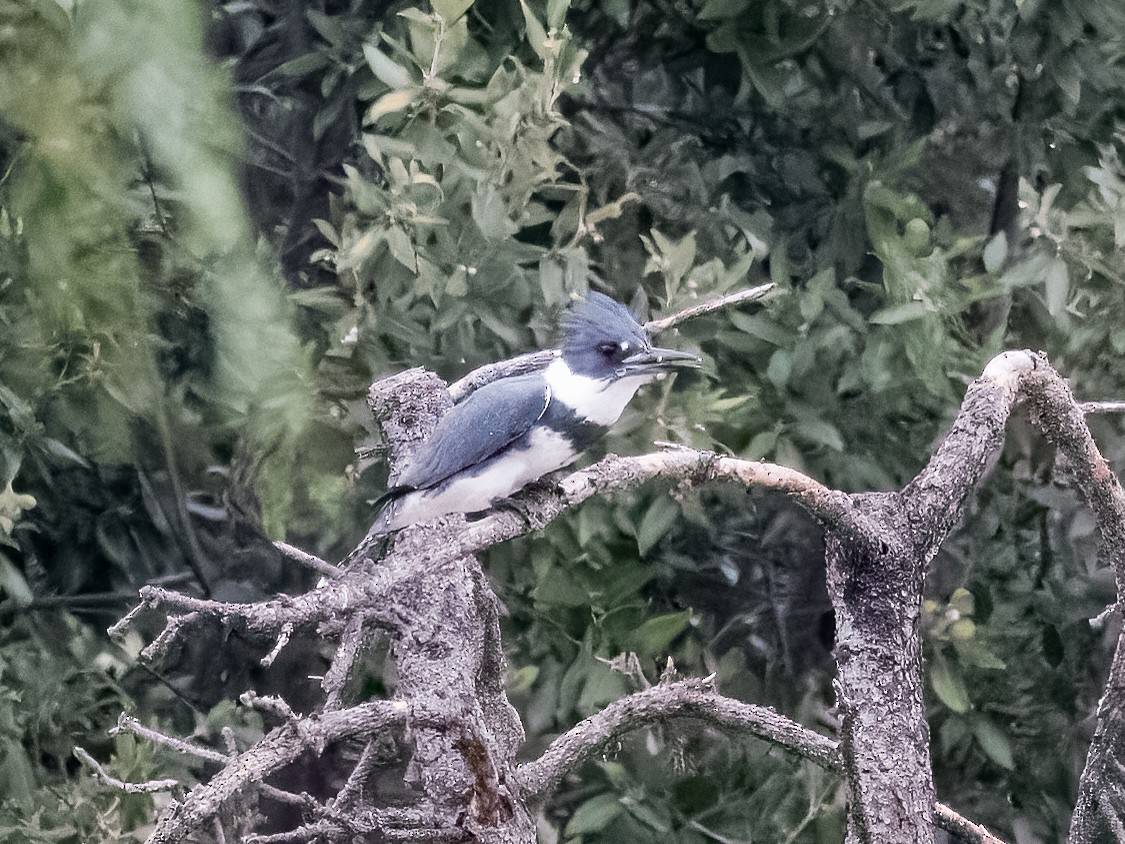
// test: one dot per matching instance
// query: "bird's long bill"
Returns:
(659, 360)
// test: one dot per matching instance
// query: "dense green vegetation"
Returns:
(219, 222)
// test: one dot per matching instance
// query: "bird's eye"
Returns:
(608, 350)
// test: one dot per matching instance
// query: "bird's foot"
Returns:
(526, 504)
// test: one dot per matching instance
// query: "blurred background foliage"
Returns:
(220, 220)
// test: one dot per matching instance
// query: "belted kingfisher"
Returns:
(515, 430)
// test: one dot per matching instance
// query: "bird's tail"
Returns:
(380, 528)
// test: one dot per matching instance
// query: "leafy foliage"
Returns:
(925, 183)
(58, 690)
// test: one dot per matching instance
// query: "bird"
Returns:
(514, 430)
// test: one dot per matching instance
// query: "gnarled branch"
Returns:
(879, 546)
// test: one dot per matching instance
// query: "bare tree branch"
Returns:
(281, 746)
(129, 724)
(685, 466)
(353, 642)
(1102, 407)
(464, 735)
(691, 698)
(655, 326)
(128, 787)
(306, 559)
(961, 828)
(1058, 415)
(696, 699)
(935, 497)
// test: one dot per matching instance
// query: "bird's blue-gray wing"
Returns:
(477, 428)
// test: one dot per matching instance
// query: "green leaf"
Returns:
(818, 431)
(398, 241)
(323, 299)
(996, 252)
(717, 10)
(451, 10)
(594, 815)
(1057, 286)
(556, 13)
(386, 70)
(329, 28)
(558, 587)
(972, 652)
(64, 452)
(13, 584)
(602, 686)
(994, 742)
(762, 444)
(522, 680)
(963, 601)
(898, 314)
(655, 635)
(779, 368)
(1027, 272)
(458, 283)
(303, 65)
(416, 16)
(949, 686)
(490, 213)
(762, 327)
(536, 34)
(389, 103)
(648, 816)
(657, 521)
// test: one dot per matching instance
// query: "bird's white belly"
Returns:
(499, 477)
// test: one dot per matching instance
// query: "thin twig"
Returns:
(306, 559)
(353, 788)
(655, 326)
(519, 365)
(127, 723)
(961, 827)
(307, 832)
(282, 641)
(128, 787)
(707, 832)
(353, 642)
(534, 361)
(684, 465)
(162, 643)
(117, 630)
(271, 704)
(227, 732)
(1102, 406)
(696, 699)
(278, 748)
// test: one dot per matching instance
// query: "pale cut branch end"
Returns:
(1006, 368)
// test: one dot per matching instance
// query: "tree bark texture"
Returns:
(460, 735)
(875, 580)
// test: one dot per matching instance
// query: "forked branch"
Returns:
(394, 594)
